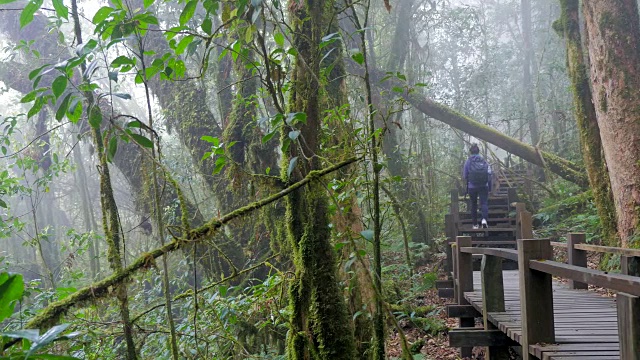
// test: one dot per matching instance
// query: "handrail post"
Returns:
(536, 296)
(520, 209)
(629, 325)
(454, 257)
(455, 204)
(526, 225)
(576, 257)
(492, 300)
(449, 232)
(464, 265)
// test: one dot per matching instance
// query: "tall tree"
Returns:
(320, 326)
(568, 26)
(613, 41)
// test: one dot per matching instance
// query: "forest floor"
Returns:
(436, 346)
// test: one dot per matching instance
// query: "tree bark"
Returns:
(613, 40)
(568, 26)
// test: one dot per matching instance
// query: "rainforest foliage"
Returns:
(235, 179)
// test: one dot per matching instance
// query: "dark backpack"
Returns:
(478, 171)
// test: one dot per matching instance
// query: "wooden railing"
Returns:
(536, 268)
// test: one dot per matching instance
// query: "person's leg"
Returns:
(473, 197)
(484, 202)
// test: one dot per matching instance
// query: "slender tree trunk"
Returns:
(110, 216)
(568, 26)
(527, 82)
(87, 212)
(613, 34)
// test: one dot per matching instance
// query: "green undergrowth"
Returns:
(569, 210)
(406, 295)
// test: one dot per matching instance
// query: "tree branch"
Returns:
(52, 313)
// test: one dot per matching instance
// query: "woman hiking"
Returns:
(477, 175)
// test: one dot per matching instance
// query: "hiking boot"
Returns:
(484, 224)
(476, 227)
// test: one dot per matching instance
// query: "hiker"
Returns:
(477, 174)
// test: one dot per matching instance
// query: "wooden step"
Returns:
(487, 230)
(489, 220)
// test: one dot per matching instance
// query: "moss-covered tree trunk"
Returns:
(320, 326)
(568, 26)
(613, 40)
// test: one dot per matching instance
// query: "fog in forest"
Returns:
(268, 180)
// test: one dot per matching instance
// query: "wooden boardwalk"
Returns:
(525, 309)
(586, 323)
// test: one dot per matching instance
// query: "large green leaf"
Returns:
(62, 109)
(142, 140)
(102, 14)
(95, 117)
(11, 288)
(61, 10)
(29, 10)
(188, 12)
(59, 85)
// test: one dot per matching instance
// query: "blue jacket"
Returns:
(465, 174)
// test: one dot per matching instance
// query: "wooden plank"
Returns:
(536, 296)
(503, 253)
(494, 242)
(617, 282)
(609, 249)
(574, 355)
(629, 325)
(446, 293)
(595, 357)
(478, 337)
(492, 300)
(576, 257)
(444, 284)
(462, 311)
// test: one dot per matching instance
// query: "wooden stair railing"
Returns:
(536, 269)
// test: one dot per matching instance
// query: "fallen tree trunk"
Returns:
(557, 165)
